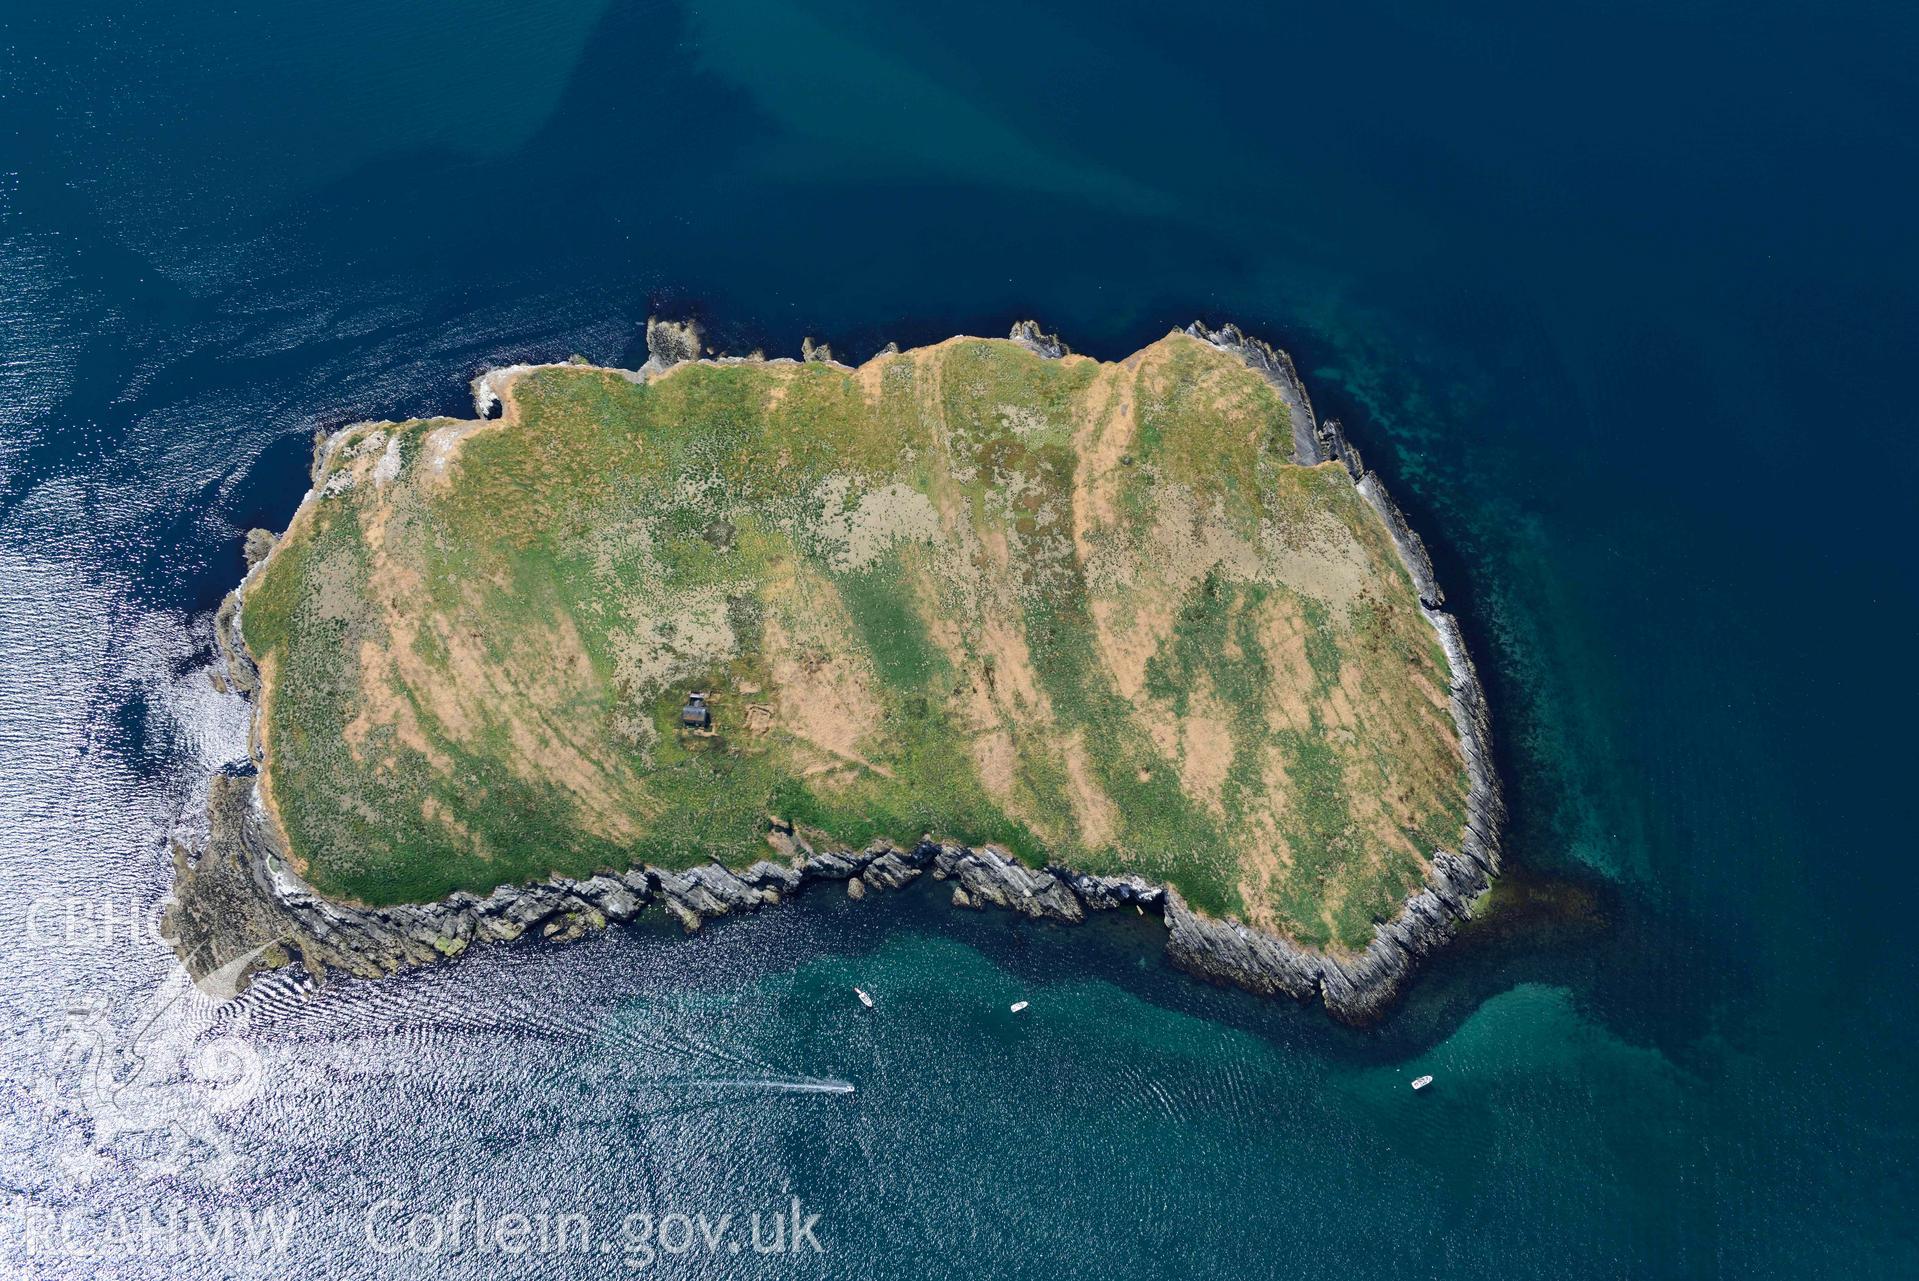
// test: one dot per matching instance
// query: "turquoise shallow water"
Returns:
(1620, 301)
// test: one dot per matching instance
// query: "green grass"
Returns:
(476, 676)
(890, 627)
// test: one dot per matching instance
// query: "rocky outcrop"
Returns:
(991, 877)
(1238, 954)
(1107, 893)
(670, 343)
(240, 894)
(1029, 335)
(235, 665)
(259, 543)
(892, 870)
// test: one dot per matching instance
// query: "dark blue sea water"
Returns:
(1621, 299)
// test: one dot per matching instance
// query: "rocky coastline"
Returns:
(240, 894)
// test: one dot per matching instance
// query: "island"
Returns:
(1070, 635)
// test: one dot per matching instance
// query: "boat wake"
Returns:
(790, 1086)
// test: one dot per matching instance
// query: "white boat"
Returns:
(1018, 1006)
(1421, 1082)
(865, 1000)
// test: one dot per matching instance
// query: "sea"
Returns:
(1621, 300)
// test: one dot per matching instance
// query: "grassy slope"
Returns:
(1083, 611)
